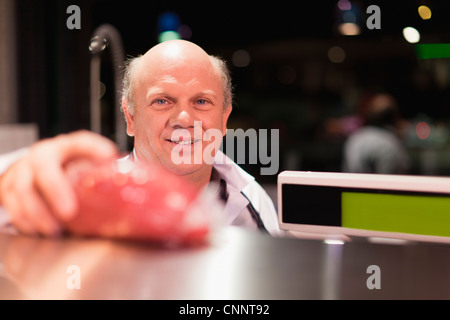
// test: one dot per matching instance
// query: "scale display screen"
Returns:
(422, 213)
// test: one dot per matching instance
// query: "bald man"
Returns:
(176, 101)
(171, 89)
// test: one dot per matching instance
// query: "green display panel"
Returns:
(425, 215)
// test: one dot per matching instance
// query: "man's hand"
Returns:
(37, 191)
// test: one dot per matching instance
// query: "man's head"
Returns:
(168, 91)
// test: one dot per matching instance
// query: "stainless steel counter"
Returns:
(236, 264)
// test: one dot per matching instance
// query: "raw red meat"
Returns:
(128, 200)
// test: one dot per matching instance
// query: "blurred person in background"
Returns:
(376, 147)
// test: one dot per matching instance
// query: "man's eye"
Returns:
(202, 102)
(160, 103)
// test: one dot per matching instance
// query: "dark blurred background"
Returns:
(294, 68)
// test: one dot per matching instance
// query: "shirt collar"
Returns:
(221, 185)
(224, 169)
(233, 175)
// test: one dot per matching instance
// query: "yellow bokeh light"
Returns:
(424, 12)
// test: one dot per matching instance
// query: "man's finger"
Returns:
(18, 216)
(38, 213)
(50, 159)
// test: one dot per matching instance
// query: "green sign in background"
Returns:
(433, 50)
(425, 215)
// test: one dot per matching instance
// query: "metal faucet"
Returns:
(105, 35)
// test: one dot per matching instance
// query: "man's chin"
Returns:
(187, 169)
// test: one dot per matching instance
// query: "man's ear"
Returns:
(226, 115)
(129, 118)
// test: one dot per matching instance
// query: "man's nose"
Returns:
(182, 117)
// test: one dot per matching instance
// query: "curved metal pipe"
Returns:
(107, 35)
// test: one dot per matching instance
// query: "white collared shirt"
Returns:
(245, 194)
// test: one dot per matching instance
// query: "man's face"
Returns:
(175, 104)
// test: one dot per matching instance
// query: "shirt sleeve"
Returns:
(6, 160)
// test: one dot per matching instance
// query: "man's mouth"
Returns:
(185, 142)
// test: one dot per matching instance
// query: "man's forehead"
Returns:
(177, 72)
(183, 74)
(169, 84)
(193, 87)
